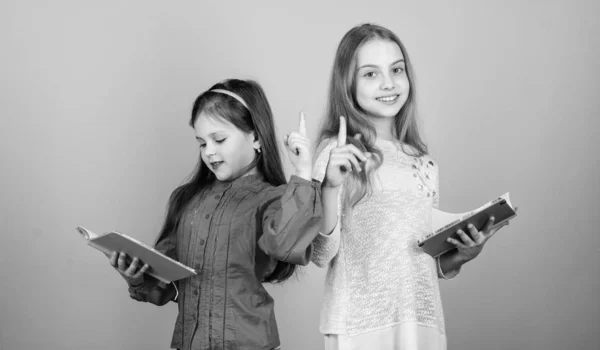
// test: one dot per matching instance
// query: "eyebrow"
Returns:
(212, 134)
(376, 66)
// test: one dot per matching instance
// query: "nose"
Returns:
(210, 149)
(387, 83)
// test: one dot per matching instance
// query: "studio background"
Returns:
(94, 104)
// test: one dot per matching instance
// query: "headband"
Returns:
(234, 95)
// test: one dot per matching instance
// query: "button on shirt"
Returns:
(233, 234)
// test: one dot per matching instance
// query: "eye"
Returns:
(398, 70)
(202, 145)
(369, 74)
(221, 140)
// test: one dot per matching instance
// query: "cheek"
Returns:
(362, 94)
(403, 82)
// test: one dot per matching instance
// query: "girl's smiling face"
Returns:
(382, 85)
(226, 150)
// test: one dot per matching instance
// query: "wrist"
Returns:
(135, 282)
(459, 258)
(326, 187)
(304, 174)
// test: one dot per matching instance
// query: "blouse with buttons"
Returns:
(233, 234)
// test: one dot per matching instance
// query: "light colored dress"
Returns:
(381, 289)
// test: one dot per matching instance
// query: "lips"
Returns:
(215, 165)
(388, 99)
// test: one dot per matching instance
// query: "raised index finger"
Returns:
(342, 132)
(302, 125)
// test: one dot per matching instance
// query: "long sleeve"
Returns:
(326, 244)
(290, 221)
(436, 204)
(152, 290)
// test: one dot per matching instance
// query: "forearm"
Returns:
(327, 242)
(329, 198)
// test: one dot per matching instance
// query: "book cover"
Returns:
(161, 266)
(445, 224)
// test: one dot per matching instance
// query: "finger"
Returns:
(132, 267)
(142, 271)
(285, 139)
(343, 164)
(297, 143)
(350, 159)
(489, 224)
(297, 138)
(122, 263)
(465, 238)
(358, 136)
(113, 259)
(302, 125)
(456, 243)
(342, 132)
(476, 236)
(354, 150)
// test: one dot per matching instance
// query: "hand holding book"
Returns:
(478, 223)
(132, 270)
(470, 245)
(120, 248)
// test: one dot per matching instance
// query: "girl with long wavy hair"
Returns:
(381, 289)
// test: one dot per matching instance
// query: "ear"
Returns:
(256, 143)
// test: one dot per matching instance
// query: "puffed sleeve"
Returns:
(326, 244)
(291, 218)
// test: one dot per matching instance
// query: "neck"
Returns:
(384, 128)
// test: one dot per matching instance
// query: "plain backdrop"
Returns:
(94, 103)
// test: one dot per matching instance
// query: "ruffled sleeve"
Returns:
(291, 218)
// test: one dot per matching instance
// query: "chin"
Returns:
(385, 114)
(222, 177)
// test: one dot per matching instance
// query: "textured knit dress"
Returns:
(381, 289)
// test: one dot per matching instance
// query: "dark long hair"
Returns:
(342, 102)
(258, 119)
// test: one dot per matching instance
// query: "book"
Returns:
(445, 224)
(161, 266)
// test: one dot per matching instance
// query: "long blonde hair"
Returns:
(342, 102)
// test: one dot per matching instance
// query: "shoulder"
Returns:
(429, 161)
(430, 166)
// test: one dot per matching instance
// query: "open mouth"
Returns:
(215, 165)
(388, 99)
